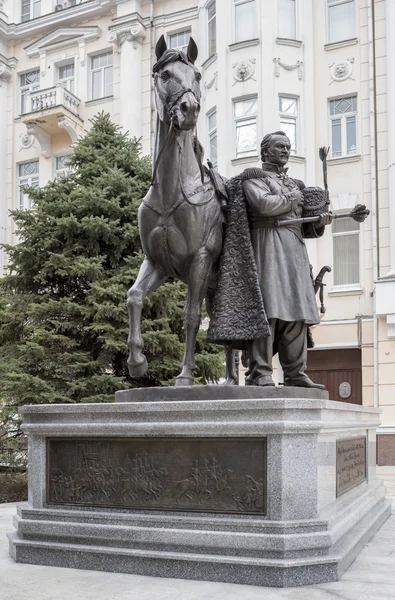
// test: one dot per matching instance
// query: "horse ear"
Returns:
(192, 52)
(161, 47)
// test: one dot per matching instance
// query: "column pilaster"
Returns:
(5, 77)
(390, 25)
(128, 39)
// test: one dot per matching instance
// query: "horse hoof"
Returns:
(230, 381)
(182, 381)
(137, 370)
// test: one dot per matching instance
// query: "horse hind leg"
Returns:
(149, 278)
(198, 278)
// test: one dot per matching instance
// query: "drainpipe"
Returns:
(152, 61)
(374, 188)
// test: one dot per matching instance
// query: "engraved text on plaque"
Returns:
(350, 464)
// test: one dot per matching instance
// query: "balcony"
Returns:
(51, 109)
(52, 98)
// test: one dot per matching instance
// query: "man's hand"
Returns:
(297, 199)
(325, 219)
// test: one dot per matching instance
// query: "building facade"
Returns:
(316, 69)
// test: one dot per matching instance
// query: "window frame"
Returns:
(59, 173)
(172, 34)
(211, 134)
(328, 7)
(279, 35)
(244, 119)
(26, 90)
(343, 127)
(255, 33)
(357, 232)
(26, 180)
(208, 21)
(104, 52)
(25, 17)
(59, 80)
(295, 118)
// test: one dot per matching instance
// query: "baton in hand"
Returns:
(358, 213)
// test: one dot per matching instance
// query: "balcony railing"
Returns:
(41, 100)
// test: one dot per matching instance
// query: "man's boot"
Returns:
(262, 381)
(302, 380)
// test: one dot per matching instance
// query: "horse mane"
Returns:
(169, 56)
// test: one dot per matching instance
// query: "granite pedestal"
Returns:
(273, 487)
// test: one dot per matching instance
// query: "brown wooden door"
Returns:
(333, 367)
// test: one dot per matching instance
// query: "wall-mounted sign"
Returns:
(345, 389)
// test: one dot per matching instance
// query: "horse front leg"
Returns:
(149, 278)
(198, 278)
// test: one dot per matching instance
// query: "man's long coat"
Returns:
(281, 258)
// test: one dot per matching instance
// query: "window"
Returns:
(245, 20)
(180, 41)
(66, 76)
(28, 83)
(341, 20)
(343, 122)
(62, 166)
(286, 19)
(289, 119)
(345, 251)
(212, 29)
(212, 136)
(28, 174)
(245, 112)
(101, 73)
(30, 9)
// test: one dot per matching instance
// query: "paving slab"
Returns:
(372, 575)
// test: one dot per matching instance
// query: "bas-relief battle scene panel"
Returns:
(205, 475)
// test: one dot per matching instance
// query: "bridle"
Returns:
(169, 109)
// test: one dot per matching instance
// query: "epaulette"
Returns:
(252, 173)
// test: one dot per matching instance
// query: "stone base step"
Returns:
(205, 566)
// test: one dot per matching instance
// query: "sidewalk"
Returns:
(371, 576)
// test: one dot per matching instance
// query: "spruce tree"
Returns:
(63, 315)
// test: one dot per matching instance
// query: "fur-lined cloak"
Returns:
(237, 314)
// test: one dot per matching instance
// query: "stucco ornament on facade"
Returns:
(341, 70)
(279, 63)
(242, 71)
(26, 140)
(209, 84)
(72, 129)
(5, 73)
(43, 138)
(132, 32)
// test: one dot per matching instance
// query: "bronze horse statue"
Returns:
(180, 219)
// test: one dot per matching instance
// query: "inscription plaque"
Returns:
(350, 464)
(205, 474)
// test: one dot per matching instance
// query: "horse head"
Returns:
(177, 85)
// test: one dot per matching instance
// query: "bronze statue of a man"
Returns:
(282, 266)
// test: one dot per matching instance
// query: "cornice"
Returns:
(10, 62)
(13, 33)
(177, 17)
